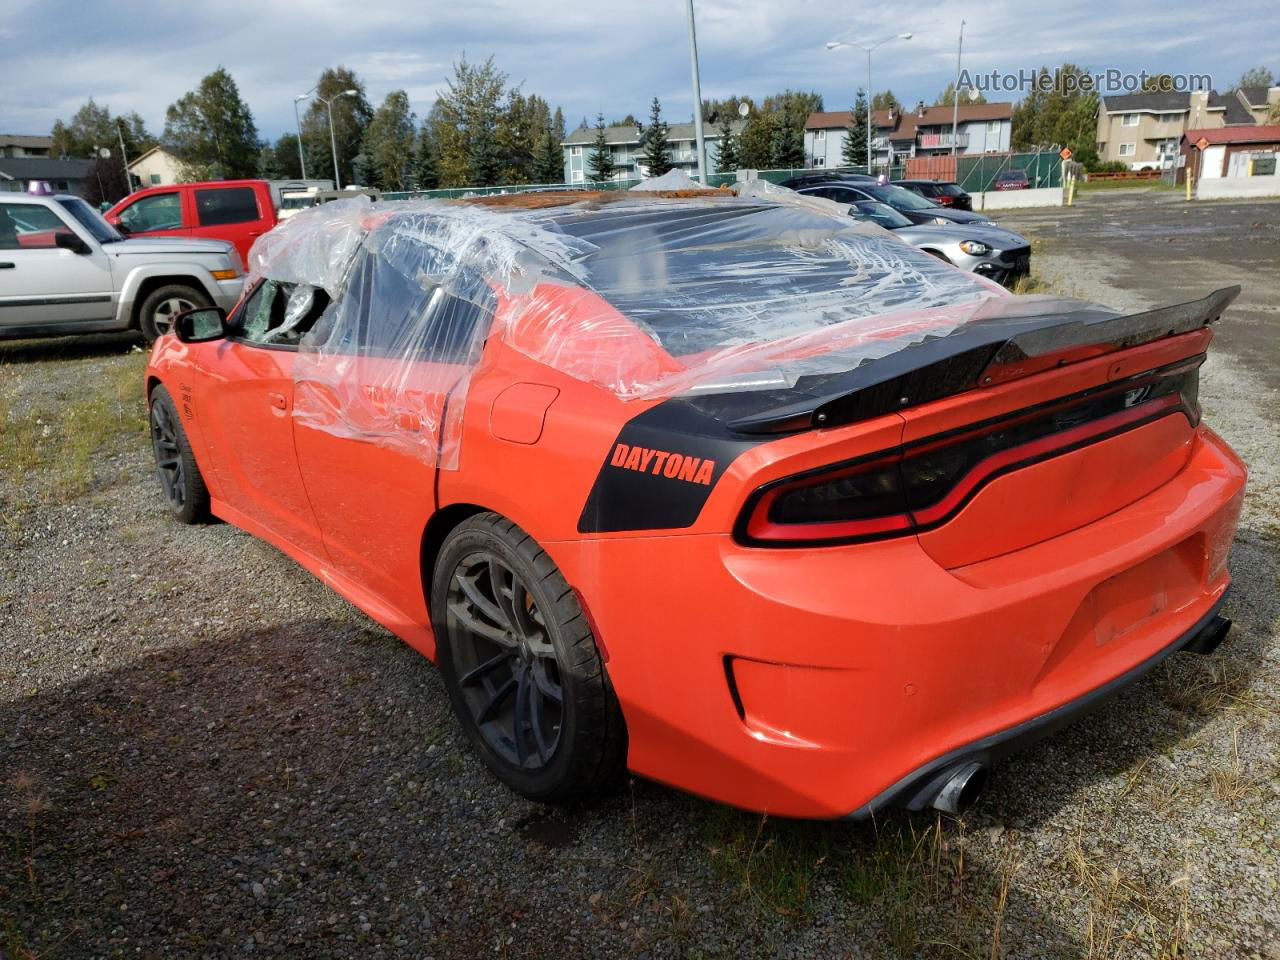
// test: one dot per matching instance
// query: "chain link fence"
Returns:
(978, 174)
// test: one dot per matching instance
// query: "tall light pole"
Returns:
(333, 142)
(124, 159)
(836, 45)
(955, 103)
(697, 100)
(302, 162)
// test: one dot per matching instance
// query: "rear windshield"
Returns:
(705, 278)
(950, 190)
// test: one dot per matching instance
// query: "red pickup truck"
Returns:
(236, 210)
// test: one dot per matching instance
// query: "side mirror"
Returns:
(66, 240)
(200, 325)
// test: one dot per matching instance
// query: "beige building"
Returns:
(1144, 130)
(22, 145)
(156, 168)
(1260, 101)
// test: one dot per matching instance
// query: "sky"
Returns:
(601, 56)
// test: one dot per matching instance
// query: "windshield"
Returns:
(90, 219)
(878, 212)
(297, 202)
(898, 198)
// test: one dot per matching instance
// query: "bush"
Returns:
(1111, 166)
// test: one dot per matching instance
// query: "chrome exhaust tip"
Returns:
(961, 789)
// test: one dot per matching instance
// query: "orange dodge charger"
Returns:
(723, 488)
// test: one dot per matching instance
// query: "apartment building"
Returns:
(897, 136)
(1144, 130)
(23, 145)
(628, 150)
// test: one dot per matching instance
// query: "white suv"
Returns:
(64, 269)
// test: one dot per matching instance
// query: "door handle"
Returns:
(278, 401)
(6, 266)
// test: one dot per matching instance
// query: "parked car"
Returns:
(730, 492)
(63, 269)
(993, 252)
(824, 176)
(1013, 179)
(912, 206)
(941, 192)
(238, 211)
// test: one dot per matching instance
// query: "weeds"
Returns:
(916, 877)
(60, 445)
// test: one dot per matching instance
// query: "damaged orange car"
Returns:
(730, 491)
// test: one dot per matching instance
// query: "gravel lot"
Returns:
(205, 753)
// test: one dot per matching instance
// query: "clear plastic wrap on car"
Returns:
(645, 296)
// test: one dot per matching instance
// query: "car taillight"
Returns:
(924, 484)
(945, 200)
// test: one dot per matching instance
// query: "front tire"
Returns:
(523, 672)
(155, 317)
(176, 469)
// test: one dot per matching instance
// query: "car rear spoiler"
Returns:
(981, 353)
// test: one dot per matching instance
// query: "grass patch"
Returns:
(913, 874)
(1157, 185)
(48, 455)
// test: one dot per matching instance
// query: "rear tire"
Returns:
(180, 478)
(523, 672)
(155, 316)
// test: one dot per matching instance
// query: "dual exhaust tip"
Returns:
(961, 785)
(960, 790)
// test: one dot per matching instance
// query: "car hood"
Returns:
(169, 245)
(997, 237)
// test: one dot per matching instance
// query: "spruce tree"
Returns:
(729, 158)
(656, 157)
(549, 159)
(425, 174)
(855, 138)
(600, 163)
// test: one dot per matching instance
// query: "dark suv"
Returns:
(941, 192)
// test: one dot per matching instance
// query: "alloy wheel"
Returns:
(169, 464)
(505, 662)
(166, 310)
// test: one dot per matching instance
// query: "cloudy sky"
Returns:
(587, 57)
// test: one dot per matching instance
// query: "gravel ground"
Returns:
(206, 753)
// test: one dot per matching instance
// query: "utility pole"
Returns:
(955, 100)
(124, 158)
(302, 160)
(697, 100)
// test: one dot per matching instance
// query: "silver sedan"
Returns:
(989, 251)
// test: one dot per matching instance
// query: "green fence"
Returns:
(978, 174)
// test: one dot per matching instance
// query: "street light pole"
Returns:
(124, 158)
(955, 103)
(697, 100)
(302, 161)
(836, 45)
(333, 142)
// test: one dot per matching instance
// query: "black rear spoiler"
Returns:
(982, 352)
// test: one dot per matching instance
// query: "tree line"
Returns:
(480, 131)
(483, 130)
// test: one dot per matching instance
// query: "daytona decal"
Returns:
(664, 463)
(660, 469)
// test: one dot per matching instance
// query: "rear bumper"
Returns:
(917, 790)
(813, 682)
